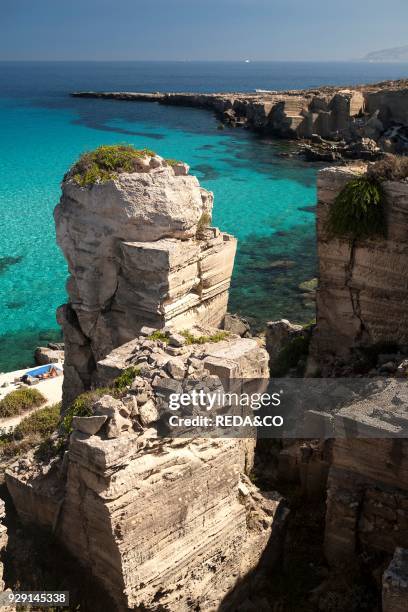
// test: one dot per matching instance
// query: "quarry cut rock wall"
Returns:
(140, 252)
(163, 524)
(363, 285)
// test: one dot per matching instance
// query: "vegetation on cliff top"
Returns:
(191, 339)
(31, 431)
(106, 162)
(358, 210)
(82, 405)
(20, 401)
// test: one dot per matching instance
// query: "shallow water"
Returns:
(259, 196)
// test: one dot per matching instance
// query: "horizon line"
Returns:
(188, 61)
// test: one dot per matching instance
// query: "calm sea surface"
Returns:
(259, 196)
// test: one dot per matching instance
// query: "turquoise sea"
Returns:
(264, 199)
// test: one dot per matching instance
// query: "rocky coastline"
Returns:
(335, 123)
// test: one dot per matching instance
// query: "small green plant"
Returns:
(125, 379)
(20, 401)
(358, 211)
(172, 162)
(105, 162)
(159, 335)
(82, 406)
(191, 339)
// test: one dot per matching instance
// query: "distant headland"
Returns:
(356, 122)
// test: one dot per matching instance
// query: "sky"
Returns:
(199, 29)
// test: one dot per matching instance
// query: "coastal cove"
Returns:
(265, 200)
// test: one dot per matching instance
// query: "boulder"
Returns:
(148, 413)
(44, 355)
(280, 334)
(236, 325)
(89, 425)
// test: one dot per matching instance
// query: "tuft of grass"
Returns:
(122, 382)
(106, 162)
(159, 335)
(358, 211)
(172, 162)
(191, 339)
(20, 401)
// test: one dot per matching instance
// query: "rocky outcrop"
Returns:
(140, 251)
(362, 293)
(43, 355)
(172, 524)
(395, 583)
(375, 111)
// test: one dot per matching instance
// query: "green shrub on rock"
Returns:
(106, 162)
(42, 422)
(125, 379)
(31, 431)
(20, 401)
(358, 211)
(82, 406)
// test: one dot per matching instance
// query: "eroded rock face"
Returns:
(395, 583)
(162, 523)
(139, 252)
(362, 293)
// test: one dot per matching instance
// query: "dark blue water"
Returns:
(259, 196)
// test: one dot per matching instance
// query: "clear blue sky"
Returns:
(199, 29)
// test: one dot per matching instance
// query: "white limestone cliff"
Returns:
(140, 252)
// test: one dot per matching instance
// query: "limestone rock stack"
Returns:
(363, 285)
(140, 252)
